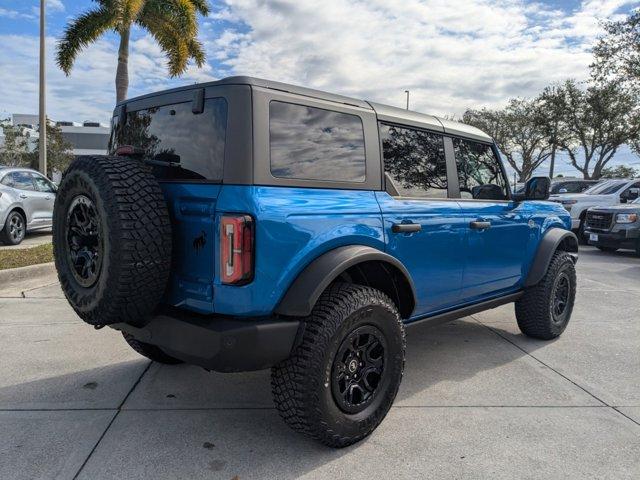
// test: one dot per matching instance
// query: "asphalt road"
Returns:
(478, 400)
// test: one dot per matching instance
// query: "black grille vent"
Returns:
(599, 221)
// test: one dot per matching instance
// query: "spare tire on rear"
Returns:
(112, 240)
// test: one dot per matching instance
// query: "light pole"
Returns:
(407, 92)
(42, 140)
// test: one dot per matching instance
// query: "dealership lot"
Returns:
(478, 400)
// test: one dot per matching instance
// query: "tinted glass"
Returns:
(7, 180)
(314, 144)
(43, 184)
(22, 181)
(479, 171)
(178, 143)
(613, 187)
(415, 161)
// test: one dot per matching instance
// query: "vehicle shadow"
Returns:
(180, 421)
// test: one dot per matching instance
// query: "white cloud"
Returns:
(14, 14)
(451, 55)
(55, 5)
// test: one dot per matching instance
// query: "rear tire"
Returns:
(15, 229)
(150, 351)
(545, 309)
(341, 379)
(112, 240)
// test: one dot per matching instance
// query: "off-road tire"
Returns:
(5, 234)
(150, 351)
(135, 234)
(608, 249)
(301, 385)
(535, 309)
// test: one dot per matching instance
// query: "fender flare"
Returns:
(305, 290)
(551, 241)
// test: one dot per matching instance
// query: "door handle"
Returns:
(406, 227)
(480, 225)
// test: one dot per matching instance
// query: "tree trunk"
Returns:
(552, 163)
(122, 72)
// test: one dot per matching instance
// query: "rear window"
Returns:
(179, 144)
(310, 143)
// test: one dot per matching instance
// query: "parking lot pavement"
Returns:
(478, 400)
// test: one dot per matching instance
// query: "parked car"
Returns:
(26, 203)
(615, 227)
(245, 224)
(605, 193)
(559, 187)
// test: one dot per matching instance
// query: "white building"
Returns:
(87, 138)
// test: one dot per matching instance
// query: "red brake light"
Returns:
(236, 249)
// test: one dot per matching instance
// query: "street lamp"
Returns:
(407, 92)
(42, 140)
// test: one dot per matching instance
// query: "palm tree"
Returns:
(172, 23)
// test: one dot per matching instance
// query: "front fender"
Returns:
(553, 239)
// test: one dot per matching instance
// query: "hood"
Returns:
(622, 207)
(569, 196)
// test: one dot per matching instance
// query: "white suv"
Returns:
(609, 192)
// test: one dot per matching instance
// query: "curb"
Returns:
(16, 275)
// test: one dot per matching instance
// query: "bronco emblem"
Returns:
(200, 241)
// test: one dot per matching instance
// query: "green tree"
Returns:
(59, 154)
(617, 53)
(15, 151)
(598, 120)
(519, 131)
(619, 171)
(172, 23)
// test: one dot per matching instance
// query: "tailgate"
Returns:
(192, 208)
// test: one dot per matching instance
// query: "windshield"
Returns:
(637, 201)
(606, 188)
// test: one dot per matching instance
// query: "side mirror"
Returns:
(536, 188)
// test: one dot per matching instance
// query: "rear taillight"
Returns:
(236, 249)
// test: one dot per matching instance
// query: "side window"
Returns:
(309, 143)
(479, 171)
(22, 181)
(43, 184)
(7, 181)
(415, 161)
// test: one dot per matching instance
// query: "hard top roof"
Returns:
(384, 112)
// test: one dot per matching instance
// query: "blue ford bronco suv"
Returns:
(245, 224)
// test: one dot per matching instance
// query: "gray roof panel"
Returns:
(385, 113)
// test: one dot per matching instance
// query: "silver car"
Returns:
(26, 203)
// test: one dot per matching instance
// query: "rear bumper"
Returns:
(217, 343)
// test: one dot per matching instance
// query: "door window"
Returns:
(43, 184)
(310, 143)
(22, 181)
(415, 161)
(479, 171)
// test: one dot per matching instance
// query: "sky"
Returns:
(451, 55)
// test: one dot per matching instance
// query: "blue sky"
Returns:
(451, 55)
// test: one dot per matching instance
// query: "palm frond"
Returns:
(82, 31)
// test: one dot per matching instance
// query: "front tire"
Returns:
(545, 309)
(343, 376)
(15, 228)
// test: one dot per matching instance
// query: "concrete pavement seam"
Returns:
(133, 387)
